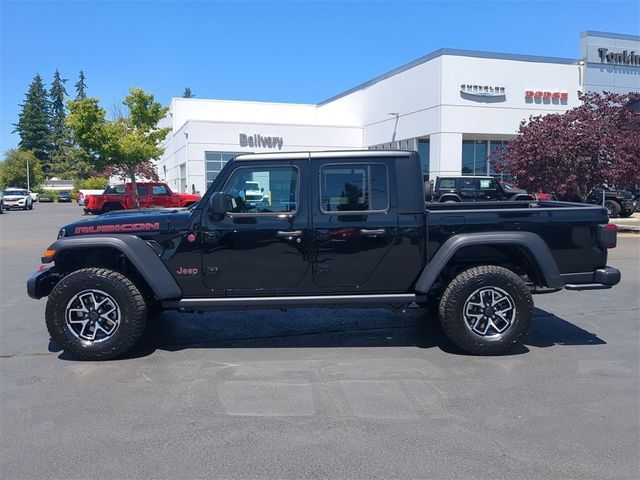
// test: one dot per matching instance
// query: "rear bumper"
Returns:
(42, 282)
(601, 278)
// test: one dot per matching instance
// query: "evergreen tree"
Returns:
(33, 122)
(187, 93)
(81, 87)
(58, 129)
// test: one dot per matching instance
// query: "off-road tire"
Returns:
(129, 300)
(613, 208)
(461, 290)
(626, 213)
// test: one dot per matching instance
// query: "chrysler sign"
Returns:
(482, 90)
(260, 141)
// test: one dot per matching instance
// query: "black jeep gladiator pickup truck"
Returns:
(333, 229)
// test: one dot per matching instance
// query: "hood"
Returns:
(135, 222)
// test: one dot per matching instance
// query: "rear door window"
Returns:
(469, 184)
(354, 188)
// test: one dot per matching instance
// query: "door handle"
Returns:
(288, 234)
(365, 232)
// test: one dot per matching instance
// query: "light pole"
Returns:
(28, 185)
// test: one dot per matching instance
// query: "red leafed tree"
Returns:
(568, 154)
(146, 171)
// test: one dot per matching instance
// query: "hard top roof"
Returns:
(324, 154)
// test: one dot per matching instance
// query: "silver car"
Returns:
(17, 198)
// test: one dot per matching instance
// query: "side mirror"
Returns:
(262, 190)
(217, 205)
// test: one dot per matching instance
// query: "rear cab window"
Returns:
(160, 190)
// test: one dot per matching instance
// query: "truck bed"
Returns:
(569, 229)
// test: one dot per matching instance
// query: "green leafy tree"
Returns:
(70, 161)
(13, 169)
(57, 95)
(129, 143)
(187, 93)
(81, 86)
(33, 122)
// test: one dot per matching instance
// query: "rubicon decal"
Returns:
(123, 227)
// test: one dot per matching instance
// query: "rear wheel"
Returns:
(486, 310)
(626, 213)
(96, 314)
(613, 208)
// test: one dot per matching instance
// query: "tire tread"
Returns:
(135, 309)
(454, 295)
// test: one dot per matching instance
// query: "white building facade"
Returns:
(453, 106)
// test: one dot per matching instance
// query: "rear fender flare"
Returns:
(532, 242)
(137, 251)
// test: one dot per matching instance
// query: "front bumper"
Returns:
(601, 278)
(42, 282)
(627, 205)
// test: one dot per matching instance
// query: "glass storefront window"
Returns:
(475, 156)
(468, 157)
(214, 161)
(481, 157)
(424, 152)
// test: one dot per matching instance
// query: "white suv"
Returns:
(18, 198)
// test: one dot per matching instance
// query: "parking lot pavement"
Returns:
(315, 393)
(630, 224)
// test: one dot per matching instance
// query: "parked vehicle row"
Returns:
(453, 189)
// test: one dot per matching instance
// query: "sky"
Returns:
(293, 51)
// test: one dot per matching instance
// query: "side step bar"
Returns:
(200, 304)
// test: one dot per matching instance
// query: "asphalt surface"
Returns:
(320, 393)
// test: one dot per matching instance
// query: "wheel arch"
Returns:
(535, 255)
(449, 196)
(108, 251)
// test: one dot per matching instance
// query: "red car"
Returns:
(150, 194)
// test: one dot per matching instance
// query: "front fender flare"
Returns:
(532, 242)
(137, 251)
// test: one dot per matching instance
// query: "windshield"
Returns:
(23, 193)
(508, 187)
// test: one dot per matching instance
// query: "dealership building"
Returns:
(452, 106)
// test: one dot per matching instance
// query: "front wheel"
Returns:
(486, 310)
(626, 213)
(613, 208)
(96, 314)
